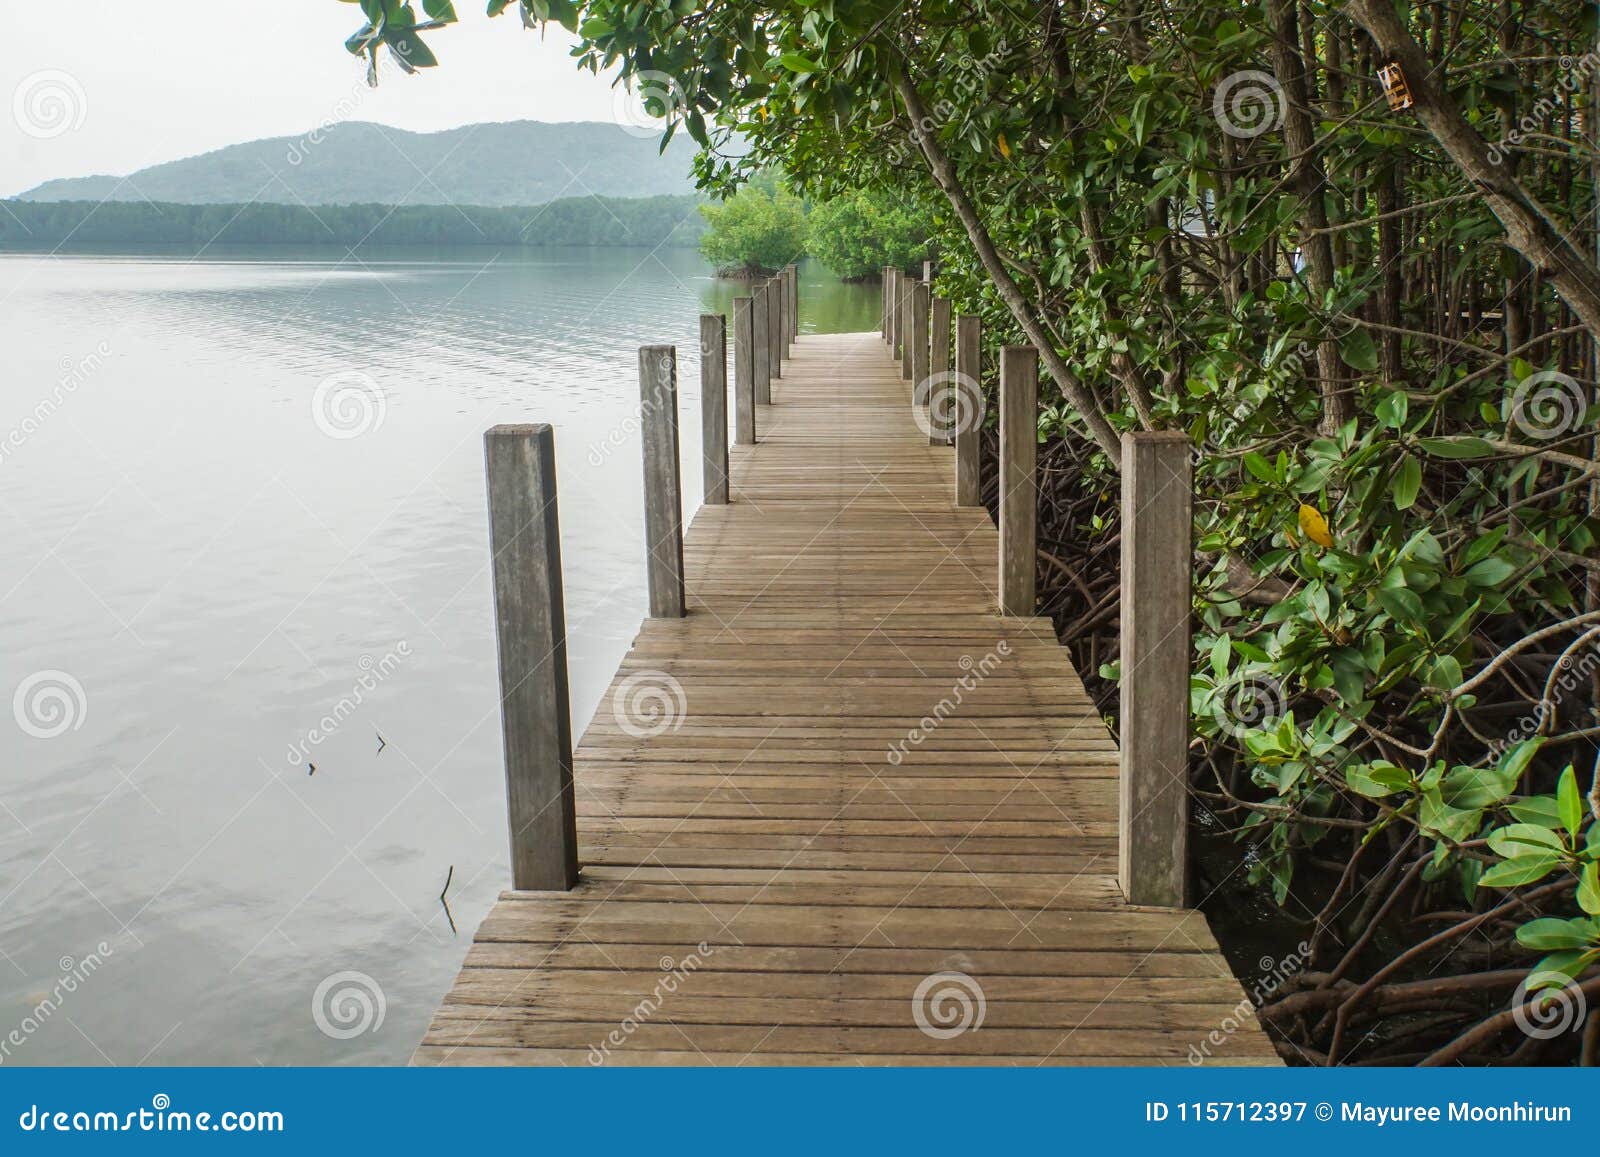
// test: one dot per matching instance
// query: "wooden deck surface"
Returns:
(763, 881)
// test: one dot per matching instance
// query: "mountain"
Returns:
(355, 162)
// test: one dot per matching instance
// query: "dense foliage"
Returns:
(856, 234)
(757, 230)
(1379, 325)
(650, 221)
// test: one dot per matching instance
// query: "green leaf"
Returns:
(794, 62)
(1457, 447)
(1549, 934)
(440, 10)
(1589, 889)
(1358, 352)
(1407, 482)
(1524, 840)
(1377, 780)
(1401, 604)
(1522, 870)
(1569, 798)
(1538, 809)
(1491, 572)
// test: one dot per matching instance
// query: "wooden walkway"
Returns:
(876, 823)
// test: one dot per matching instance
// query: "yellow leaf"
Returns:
(1005, 149)
(1314, 526)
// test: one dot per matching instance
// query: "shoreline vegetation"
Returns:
(669, 221)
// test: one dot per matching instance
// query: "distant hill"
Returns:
(354, 162)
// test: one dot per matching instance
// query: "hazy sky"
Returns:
(146, 81)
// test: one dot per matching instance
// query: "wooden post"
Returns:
(919, 348)
(744, 374)
(762, 361)
(883, 305)
(663, 489)
(927, 271)
(892, 304)
(775, 326)
(942, 433)
(531, 629)
(714, 406)
(908, 304)
(1156, 600)
(970, 411)
(793, 272)
(1019, 496)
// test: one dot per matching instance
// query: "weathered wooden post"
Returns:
(762, 361)
(883, 304)
(744, 374)
(663, 489)
(791, 308)
(793, 272)
(927, 272)
(775, 325)
(941, 432)
(892, 305)
(1019, 497)
(714, 406)
(531, 629)
(908, 305)
(1153, 810)
(969, 377)
(920, 294)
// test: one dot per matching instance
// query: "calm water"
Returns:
(196, 572)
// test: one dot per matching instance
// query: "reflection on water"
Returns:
(205, 589)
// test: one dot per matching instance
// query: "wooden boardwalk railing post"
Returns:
(908, 305)
(883, 303)
(744, 374)
(760, 318)
(663, 488)
(1019, 496)
(793, 272)
(1157, 522)
(919, 351)
(969, 377)
(530, 625)
(892, 304)
(714, 406)
(775, 325)
(941, 433)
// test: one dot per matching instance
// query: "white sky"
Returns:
(163, 79)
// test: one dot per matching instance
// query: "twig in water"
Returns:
(446, 903)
